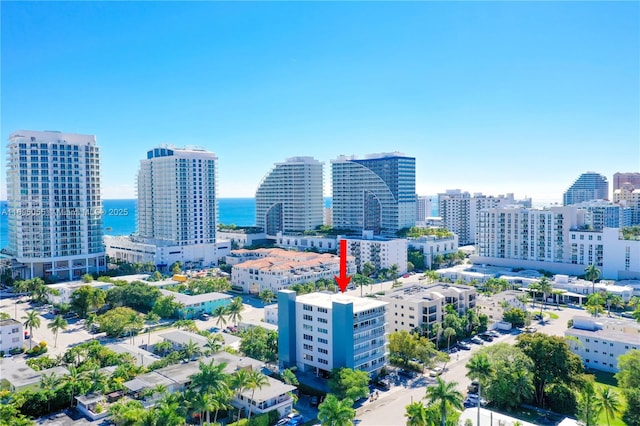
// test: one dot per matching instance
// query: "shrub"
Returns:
(43, 344)
(16, 351)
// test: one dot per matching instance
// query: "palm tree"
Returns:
(479, 367)
(448, 332)
(417, 414)
(32, 320)
(267, 296)
(49, 383)
(56, 325)
(437, 328)
(210, 378)
(214, 343)
(607, 400)
(234, 310)
(336, 412)
(151, 318)
(361, 280)
(445, 395)
(257, 380)
(219, 313)
(74, 380)
(393, 274)
(98, 380)
(535, 288)
(592, 273)
(545, 289)
(191, 349)
(202, 402)
(594, 304)
(240, 381)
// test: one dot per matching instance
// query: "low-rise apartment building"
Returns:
(63, 292)
(431, 246)
(495, 305)
(11, 335)
(276, 269)
(421, 306)
(600, 341)
(322, 331)
(198, 304)
(379, 251)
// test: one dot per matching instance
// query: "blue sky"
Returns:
(489, 97)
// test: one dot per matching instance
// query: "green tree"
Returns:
(234, 309)
(211, 378)
(87, 298)
(75, 381)
(176, 268)
(267, 296)
(348, 383)
(119, 321)
(31, 321)
(257, 380)
(628, 374)
(219, 313)
(336, 411)
(166, 307)
(49, 384)
(257, 342)
(58, 324)
(515, 316)
(592, 273)
(479, 367)
(289, 377)
(587, 411)
(361, 280)
(448, 332)
(402, 345)
(240, 382)
(553, 362)
(214, 344)
(595, 303)
(545, 288)
(368, 269)
(87, 278)
(416, 414)
(446, 397)
(190, 350)
(137, 295)
(607, 401)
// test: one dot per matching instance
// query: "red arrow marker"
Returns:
(343, 280)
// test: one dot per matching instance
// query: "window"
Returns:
(322, 320)
(307, 327)
(323, 351)
(323, 310)
(307, 317)
(308, 357)
(323, 330)
(308, 347)
(307, 307)
(321, 340)
(307, 337)
(323, 361)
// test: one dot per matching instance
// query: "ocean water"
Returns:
(120, 215)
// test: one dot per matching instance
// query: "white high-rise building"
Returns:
(54, 204)
(377, 193)
(177, 201)
(423, 208)
(289, 198)
(177, 211)
(459, 211)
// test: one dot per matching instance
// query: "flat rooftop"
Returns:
(325, 300)
(188, 300)
(425, 292)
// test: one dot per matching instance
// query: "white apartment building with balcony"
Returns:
(459, 211)
(421, 306)
(381, 252)
(321, 331)
(54, 204)
(289, 198)
(555, 239)
(600, 341)
(629, 198)
(11, 335)
(277, 269)
(495, 305)
(177, 212)
(431, 246)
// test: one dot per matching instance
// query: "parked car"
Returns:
(473, 387)
(486, 337)
(493, 333)
(530, 329)
(382, 384)
(464, 346)
(406, 373)
(477, 340)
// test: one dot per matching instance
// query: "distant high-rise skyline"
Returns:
(377, 193)
(289, 198)
(589, 186)
(625, 179)
(55, 208)
(177, 202)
